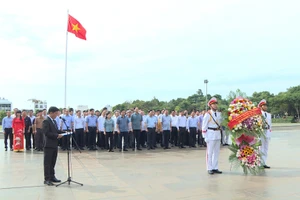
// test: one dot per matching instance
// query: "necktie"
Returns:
(215, 114)
(55, 124)
(266, 115)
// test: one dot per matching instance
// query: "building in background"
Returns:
(82, 107)
(109, 108)
(36, 104)
(5, 105)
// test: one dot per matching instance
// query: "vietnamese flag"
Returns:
(76, 28)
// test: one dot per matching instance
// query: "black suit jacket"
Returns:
(51, 133)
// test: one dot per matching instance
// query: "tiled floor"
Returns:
(159, 174)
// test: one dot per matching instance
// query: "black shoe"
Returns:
(267, 167)
(81, 148)
(5, 148)
(149, 148)
(165, 148)
(120, 150)
(210, 172)
(133, 149)
(111, 150)
(125, 150)
(11, 149)
(49, 183)
(216, 171)
(55, 180)
(168, 148)
(139, 149)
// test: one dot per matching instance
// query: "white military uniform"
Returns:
(212, 138)
(266, 140)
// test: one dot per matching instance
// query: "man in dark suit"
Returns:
(50, 149)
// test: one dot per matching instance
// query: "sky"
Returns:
(144, 49)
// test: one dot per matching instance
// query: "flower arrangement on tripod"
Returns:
(246, 124)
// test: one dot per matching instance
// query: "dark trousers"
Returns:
(174, 136)
(159, 139)
(151, 138)
(66, 141)
(101, 142)
(79, 137)
(154, 139)
(109, 137)
(27, 138)
(92, 137)
(137, 138)
(186, 138)
(123, 135)
(116, 139)
(39, 139)
(143, 138)
(193, 131)
(201, 141)
(8, 134)
(131, 142)
(182, 131)
(166, 138)
(50, 156)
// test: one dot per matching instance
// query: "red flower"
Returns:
(245, 138)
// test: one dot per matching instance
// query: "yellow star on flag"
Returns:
(75, 27)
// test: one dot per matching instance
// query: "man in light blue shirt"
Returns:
(166, 126)
(123, 128)
(151, 123)
(192, 126)
(67, 125)
(7, 130)
(91, 129)
(136, 123)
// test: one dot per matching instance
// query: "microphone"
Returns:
(62, 118)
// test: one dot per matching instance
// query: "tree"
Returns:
(258, 96)
(238, 93)
(2, 115)
(293, 98)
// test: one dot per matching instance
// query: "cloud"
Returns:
(137, 49)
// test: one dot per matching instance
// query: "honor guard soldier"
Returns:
(265, 140)
(211, 130)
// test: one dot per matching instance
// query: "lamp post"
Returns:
(205, 82)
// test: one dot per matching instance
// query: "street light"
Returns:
(205, 82)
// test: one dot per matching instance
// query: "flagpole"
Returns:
(66, 60)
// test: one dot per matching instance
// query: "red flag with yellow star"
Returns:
(76, 28)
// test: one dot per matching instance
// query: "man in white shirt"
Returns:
(32, 118)
(265, 140)
(115, 118)
(79, 128)
(143, 131)
(100, 135)
(181, 127)
(211, 130)
(15, 111)
(174, 131)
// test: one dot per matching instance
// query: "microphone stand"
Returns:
(69, 180)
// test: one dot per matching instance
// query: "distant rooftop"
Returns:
(4, 101)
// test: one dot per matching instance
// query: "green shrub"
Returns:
(288, 119)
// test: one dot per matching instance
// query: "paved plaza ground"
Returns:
(158, 174)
